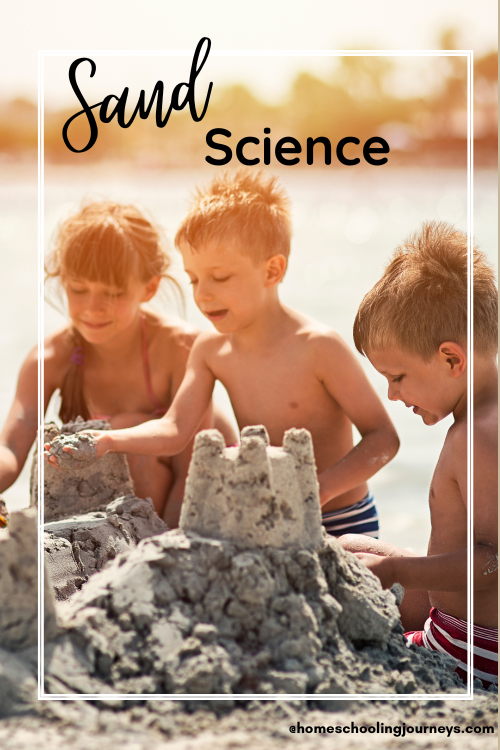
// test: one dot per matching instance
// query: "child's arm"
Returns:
(179, 463)
(170, 434)
(448, 571)
(345, 380)
(19, 431)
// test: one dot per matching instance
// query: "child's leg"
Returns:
(151, 477)
(415, 607)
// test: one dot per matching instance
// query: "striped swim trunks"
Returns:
(360, 518)
(448, 634)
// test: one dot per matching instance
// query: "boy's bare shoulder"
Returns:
(310, 330)
(211, 343)
(485, 458)
(485, 433)
(486, 417)
(455, 444)
(322, 342)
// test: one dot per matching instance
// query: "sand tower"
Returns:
(253, 495)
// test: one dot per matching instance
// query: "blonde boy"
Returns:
(412, 326)
(280, 368)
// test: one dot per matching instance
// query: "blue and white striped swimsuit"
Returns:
(360, 518)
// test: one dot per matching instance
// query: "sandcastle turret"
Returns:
(254, 495)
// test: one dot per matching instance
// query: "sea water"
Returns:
(345, 225)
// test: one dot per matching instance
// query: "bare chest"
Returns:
(280, 391)
(124, 388)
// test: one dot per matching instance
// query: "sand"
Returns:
(84, 488)
(183, 614)
(209, 609)
(78, 546)
(245, 725)
(83, 451)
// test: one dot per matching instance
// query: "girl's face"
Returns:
(100, 312)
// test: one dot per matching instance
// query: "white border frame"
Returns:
(42, 54)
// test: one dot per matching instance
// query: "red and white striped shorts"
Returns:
(448, 634)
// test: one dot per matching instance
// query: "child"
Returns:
(114, 360)
(412, 326)
(280, 368)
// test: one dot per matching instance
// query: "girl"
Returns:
(115, 360)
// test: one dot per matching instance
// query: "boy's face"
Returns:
(228, 287)
(432, 389)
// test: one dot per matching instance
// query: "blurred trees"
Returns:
(358, 99)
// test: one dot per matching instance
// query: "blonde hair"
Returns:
(247, 208)
(110, 243)
(421, 300)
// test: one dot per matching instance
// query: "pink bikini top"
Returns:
(78, 358)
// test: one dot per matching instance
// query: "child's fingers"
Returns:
(52, 460)
(68, 449)
(4, 514)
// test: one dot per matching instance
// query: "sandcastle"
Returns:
(91, 514)
(254, 495)
(247, 596)
(87, 489)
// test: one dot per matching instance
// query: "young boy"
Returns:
(412, 326)
(280, 368)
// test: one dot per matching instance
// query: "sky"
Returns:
(28, 26)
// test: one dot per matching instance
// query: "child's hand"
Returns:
(50, 457)
(99, 437)
(76, 451)
(380, 566)
(4, 513)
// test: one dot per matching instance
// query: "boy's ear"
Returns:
(454, 357)
(151, 288)
(275, 270)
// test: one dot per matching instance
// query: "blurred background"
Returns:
(418, 104)
(346, 220)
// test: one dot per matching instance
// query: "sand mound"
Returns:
(78, 546)
(90, 507)
(192, 615)
(83, 489)
(84, 445)
(19, 584)
(247, 597)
